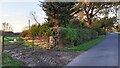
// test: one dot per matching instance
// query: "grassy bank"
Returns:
(10, 62)
(85, 46)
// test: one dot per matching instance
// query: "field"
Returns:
(11, 40)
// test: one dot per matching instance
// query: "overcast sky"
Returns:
(17, 13)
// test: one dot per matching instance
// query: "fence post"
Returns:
(1, 46)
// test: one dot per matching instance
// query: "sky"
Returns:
(17, 13)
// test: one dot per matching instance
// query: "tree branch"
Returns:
(92, 9)
(85, 9)
(35, 18)
(99, 9)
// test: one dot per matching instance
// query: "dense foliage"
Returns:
(24, 33)
(38, 30)
(104, 25)
(77, 36)
(59, 13)
(78, 22)
(84, 46)
(91, 10)
(118, 28)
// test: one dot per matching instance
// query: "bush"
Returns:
(85, 35)
(101, 31)
(24, 33)
(77, 36)
(70, 35)
(38, 30)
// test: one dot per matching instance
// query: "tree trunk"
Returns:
(56, 29)
(90, 22)
(57, 35)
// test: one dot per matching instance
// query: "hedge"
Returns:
(74, 37)
(101, 31)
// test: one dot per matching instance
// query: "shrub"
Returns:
(85, 35)
(101, 31)
(24, 33)
(38, 30)
(69, 34)
(77, 36)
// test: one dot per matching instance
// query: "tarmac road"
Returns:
(103, 54)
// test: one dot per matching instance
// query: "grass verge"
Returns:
(10, 62)
(84, 46)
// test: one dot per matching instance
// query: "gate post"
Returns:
(1, 46)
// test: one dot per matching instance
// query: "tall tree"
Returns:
(59, 13)
(104, 23)
(91, 10)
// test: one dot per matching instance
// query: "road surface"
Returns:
(103, 54)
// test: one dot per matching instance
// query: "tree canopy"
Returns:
(59, 13)
(91, 10)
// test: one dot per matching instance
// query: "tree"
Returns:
(91, 10)
(24, 33)
(118, 28)
(7, 27)
(104, 25)
(59, 13)
(34, 16)
(34, 30)
(45, 30)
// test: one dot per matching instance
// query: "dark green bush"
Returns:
(77, 36)
(101, 31)
(69, 35)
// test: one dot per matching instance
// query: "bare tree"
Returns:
(7, 27)
(34, 16)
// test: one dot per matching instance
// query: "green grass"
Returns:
(8, 39)
(84, 46)
(10, 62)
